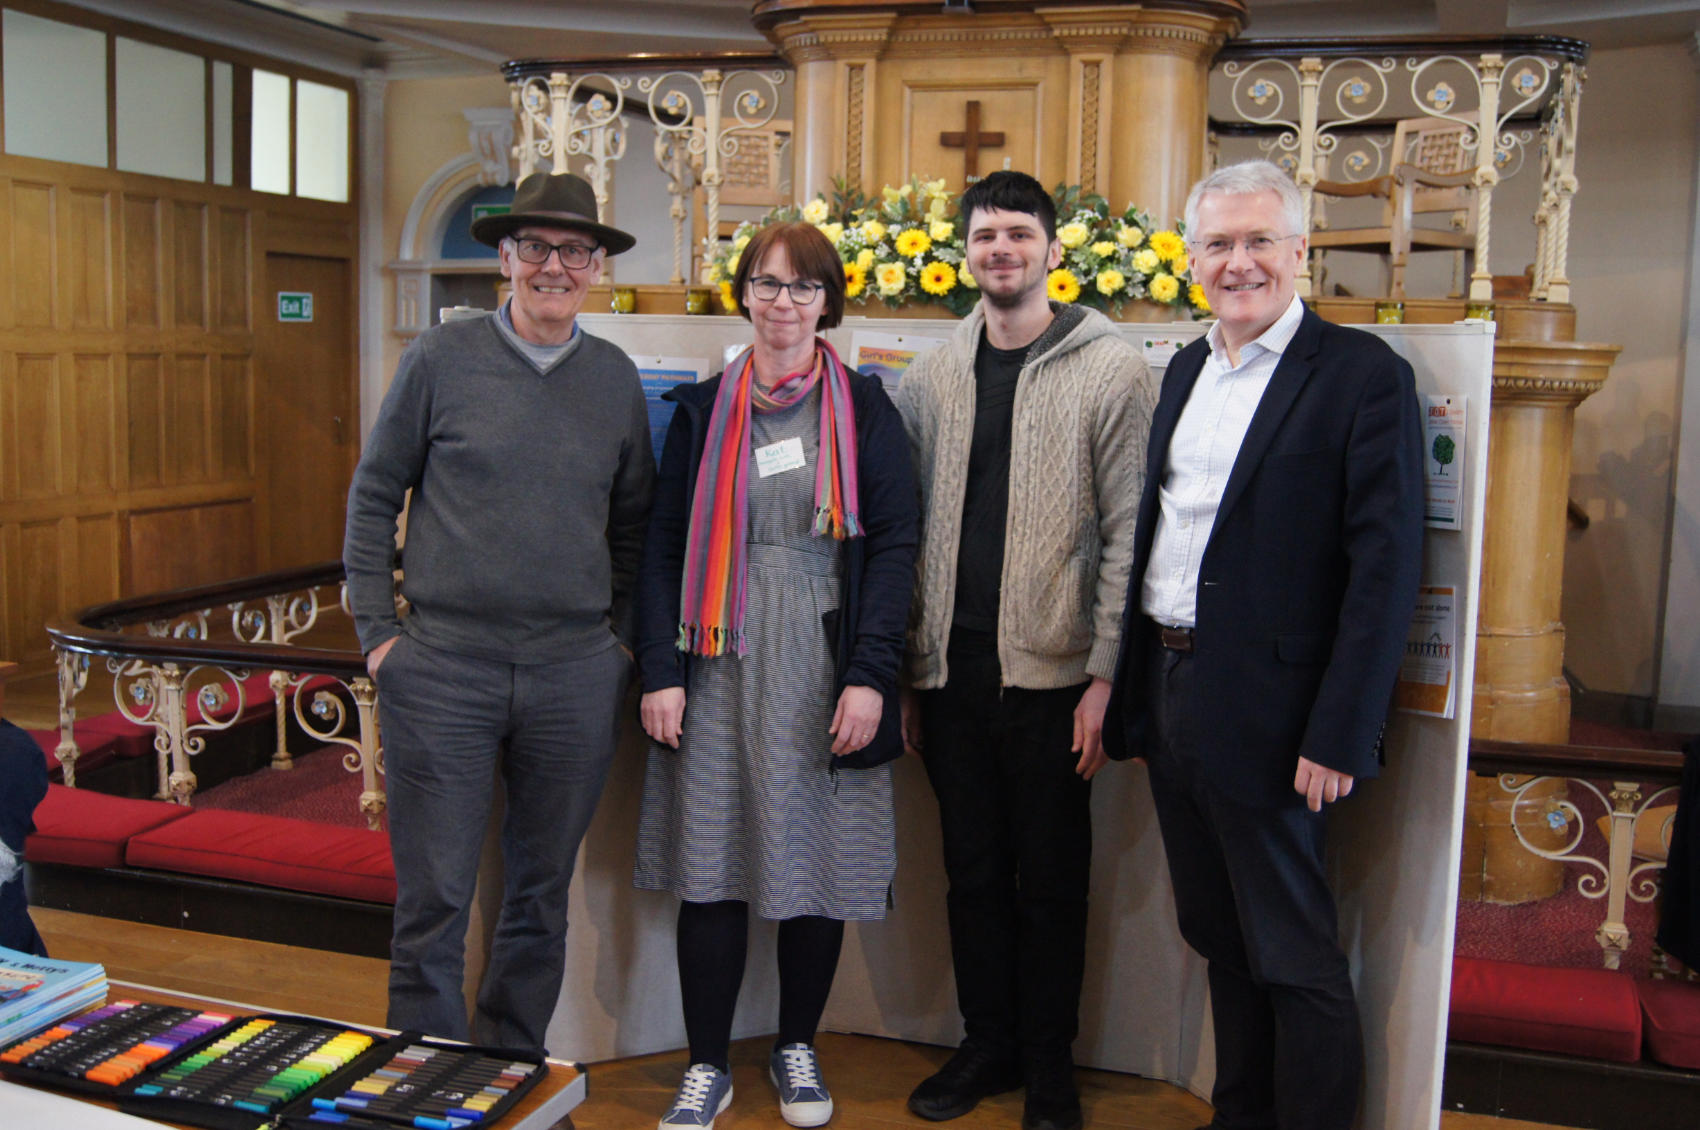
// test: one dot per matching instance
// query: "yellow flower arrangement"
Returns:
(1146, 261)
(727, 298)
(1103, 249)
(873, 231)
(1110, 281)
(865, 259)
(938, 278)
(711, 273)
(740, 243)
(966, 278)
(912, 242)
(1129, 236)
(1180, 264)
(1195, 295)
(1061, 285)
(855, 280)
(833, 232)
(1167, 245)
(941, 230)
(732, 263)
(890, 279)
(1073, 234)
(1164, 288)
(816, 211)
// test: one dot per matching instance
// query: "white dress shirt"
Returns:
(1202, 451)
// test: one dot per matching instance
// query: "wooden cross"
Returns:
(970, 140)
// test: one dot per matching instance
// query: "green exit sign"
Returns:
(295, 306)
(479, 211)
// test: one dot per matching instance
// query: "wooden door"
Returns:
(306, 420)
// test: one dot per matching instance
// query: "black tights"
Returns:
(711, 942)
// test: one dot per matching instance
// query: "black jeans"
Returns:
(1017, 850)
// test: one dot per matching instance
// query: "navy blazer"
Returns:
(879, 566)
(1310, 576)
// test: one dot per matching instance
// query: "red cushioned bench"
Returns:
(272, 851)
(1670, 1012)
(1593, 1013)
(80, 828)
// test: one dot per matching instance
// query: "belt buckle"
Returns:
(1175, 639)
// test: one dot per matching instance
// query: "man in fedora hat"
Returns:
(525, 444)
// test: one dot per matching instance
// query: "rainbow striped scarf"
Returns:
(714, 591)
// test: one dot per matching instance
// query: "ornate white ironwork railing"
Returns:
(1327, 109)
(173, 663)
(577, 116)
(1638, 785)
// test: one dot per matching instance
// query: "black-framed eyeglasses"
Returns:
(573, 255)
(767, 288)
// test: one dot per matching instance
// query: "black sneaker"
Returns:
(1052, 1101)
(970, 1075)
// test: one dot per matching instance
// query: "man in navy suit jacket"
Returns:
(1277, 555)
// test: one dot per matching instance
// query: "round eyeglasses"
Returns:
(767, 288)
(573, 255)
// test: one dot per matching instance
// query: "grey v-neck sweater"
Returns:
(530, 496)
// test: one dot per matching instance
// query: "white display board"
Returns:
(1394, 845)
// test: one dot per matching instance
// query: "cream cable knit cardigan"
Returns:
(1083, 404)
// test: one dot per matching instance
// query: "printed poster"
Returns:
(887, 355)
(660, 374)
(1428, 682)
(1443, 456)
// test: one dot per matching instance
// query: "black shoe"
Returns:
(1052, 1101)
(970, 1075)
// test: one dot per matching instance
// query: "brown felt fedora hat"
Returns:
(556, 200)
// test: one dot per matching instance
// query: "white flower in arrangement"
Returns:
(816, 211)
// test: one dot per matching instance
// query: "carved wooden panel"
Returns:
(185, 430)
(95, 578)
(32, 585)
(89, 256)
(141, 262)
(32, 431)
(189, 545)
(92, 420)
(142, 380)
(33, 274)
(189, 264)
(234, 271)
(232, 395)
(932, 109)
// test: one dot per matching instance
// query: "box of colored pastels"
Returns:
(418, 1081)
(100, 1051)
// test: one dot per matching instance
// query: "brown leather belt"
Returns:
(1175, 639)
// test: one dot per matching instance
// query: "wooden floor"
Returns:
(869, 1077)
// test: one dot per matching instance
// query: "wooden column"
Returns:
(1520, 692)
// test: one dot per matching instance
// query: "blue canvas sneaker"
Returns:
(803, 1099)
(704, 1092)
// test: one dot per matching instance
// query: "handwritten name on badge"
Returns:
(786, 455)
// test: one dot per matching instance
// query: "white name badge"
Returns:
(786, 455)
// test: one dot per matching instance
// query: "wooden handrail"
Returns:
(1663, 766)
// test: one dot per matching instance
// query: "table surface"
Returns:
(543, 1107)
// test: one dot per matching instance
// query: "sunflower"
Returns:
(855, 280)
(1061, 285)
(1167, 245)
(911, 242)
(938, 278)
(1164, 288)
(891, 279)
(1110, 282)
(1195, 295)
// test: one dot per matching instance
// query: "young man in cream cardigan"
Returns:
(1028, 433)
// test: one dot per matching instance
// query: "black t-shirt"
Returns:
(985, 506)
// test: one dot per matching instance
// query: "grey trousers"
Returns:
(450, 723)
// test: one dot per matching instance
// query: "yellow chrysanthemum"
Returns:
(938, 278)
(816, 211)
(727, 298)
(941, 230)
(1130, 236)
(855, 280)
(712, 275)
(1167, 245)
(1110, 282)
(1146, 261)
(911, 242)
(865, 259)
(1195, 295)
(833, 232)
(1103, 249)
(1164, 288)
(890, 279)
(1061, 285)
(873, 230)
(1180, 264)
(1073, 234)
(966, 278)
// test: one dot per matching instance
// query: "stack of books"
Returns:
(36, 992)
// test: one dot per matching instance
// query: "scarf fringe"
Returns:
(708, 640)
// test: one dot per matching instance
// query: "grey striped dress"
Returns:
(746, 808)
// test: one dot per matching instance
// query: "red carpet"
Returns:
(317, 789)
